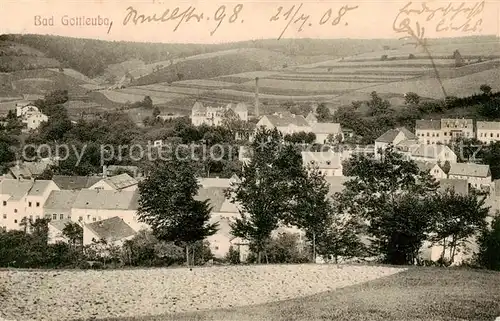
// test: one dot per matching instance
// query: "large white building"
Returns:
(488, 131)
(213, 116)
(327, 162)
(23, 198)
(443, 131)
(477, 175)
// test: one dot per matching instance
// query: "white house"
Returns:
(286, 123)
(433, 153)
(324, 130)
(58, 205)
(34, 120)
(394, 137)
(55, 231)
(488, 131)
(213, 116)
(477, 175)
(113, 230)
(23, 198)
(23, 109)
(327, 162)
(122, 182)
(94, 205)
(443, 131)
(432, 168)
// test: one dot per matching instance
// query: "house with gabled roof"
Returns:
(327, 162)
(477, 175)
(113, 230)
(67, 182)
(22, 198)
(92, 205)
(325, 130)
(488, 131)
(58, 205)
(433, 153)
(394, 137)
(122, 182)
(286, 123)
(55, 231)
(432, 168)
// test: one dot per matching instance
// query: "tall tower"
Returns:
(257, 97)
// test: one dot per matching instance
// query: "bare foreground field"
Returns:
(66, 294)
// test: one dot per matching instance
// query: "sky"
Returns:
(248, 20)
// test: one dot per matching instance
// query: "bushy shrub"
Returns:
(489, 246)
(233, 256)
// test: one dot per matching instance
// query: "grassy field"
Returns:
(418, 294)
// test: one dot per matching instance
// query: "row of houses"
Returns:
(443, 131)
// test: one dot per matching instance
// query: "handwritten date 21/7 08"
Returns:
(294, 15)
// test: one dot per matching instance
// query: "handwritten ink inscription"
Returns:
(294, 15)
(413, 19)
(231, 14)
(223, 14)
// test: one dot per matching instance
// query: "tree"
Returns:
(489, 246)
(167, 204)
(156, 112)
(456, 218)
(379, 192)
(147, 102)
(74, 233)
(285, 248)
(323, 112)
(261, 194)
(378, 105)
(412, 98)
(485, 89)
(311, 207)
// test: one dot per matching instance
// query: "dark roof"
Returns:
(390, 135)
(61, 199)
(428, 124)
(75, 182)
(285, 119)
(215, 195)
(111, 229)
(106, 199)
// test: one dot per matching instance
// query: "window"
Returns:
(216, 248)
(437, 135)
(15, 221)
(69, 216)
(29, 204)
(88, 217)
(428, 142)
(4, 203)
(491, 134)
(54, 216)
(94, 219)
(61, 216)
(328, 162)
(5, 216)
(15, 210)
(37, 204)
(427, 134)
(445, 133)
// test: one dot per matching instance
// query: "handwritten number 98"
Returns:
(220, 15)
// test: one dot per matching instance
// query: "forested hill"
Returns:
(92, 57)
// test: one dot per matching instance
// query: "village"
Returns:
(106, 205)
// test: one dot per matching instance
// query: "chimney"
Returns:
(257, 97)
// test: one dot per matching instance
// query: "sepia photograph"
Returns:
(254, 160)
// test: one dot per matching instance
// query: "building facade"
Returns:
(488, 131)
(213, 116)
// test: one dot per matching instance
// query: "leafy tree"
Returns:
(379, 192)
(378, 105)
(412, 98)
(285, 248)
(74, 233)
(156, 112)
(467, 149)
(167, 204)
(485, 89)
(312, 208)
(261, 193)
(147, 102)
(489, 246)
(323, 112)
(490, 108)
(233, 256)
(456, 218)
(300, 138)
